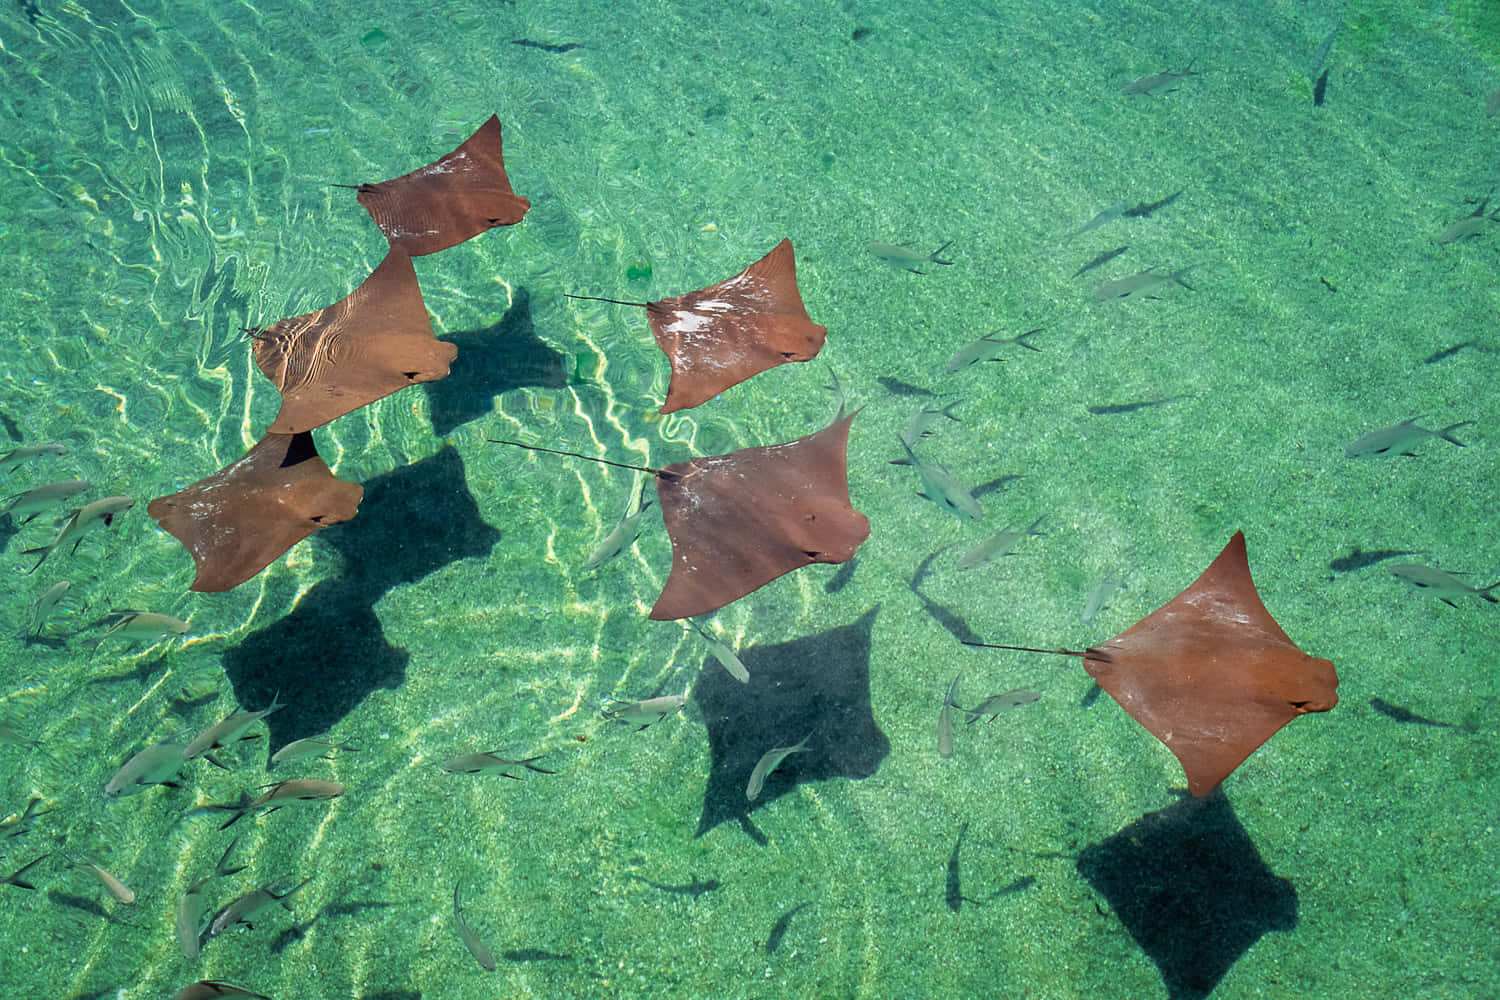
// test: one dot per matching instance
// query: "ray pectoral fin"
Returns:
(1211, 674)
(239, 520)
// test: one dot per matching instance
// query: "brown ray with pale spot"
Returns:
(360, 349)
(1210, 673)
(448, 201)
(240, 519)
(721, 335)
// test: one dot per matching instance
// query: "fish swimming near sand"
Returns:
(721, 651)
(943, 488)
(26, 506)
(1140, 281)
(1440, 583)
(245, 910)
(158, 764)
(1158, 82)
(225, 732)
(945, 720)
(998, 545)
(906, 259)
(477, 948)
(491, 763)
(44, 607)
(622, 536)
(769, 762)
(989, 348)
(99, 512)
(997, 703)
(1399, 439)
(647, 712)
(17, 457)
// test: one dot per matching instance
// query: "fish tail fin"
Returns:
(1021, 340)
(1447, 432)
(948, 410)
(1177, 276)
(1485, 592)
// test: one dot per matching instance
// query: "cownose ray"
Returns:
(739, 521)
(362, 348)
(721, 335)
(1210, 673)
(452, 199)
(240, 519)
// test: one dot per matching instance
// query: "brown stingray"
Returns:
(741, 520)
(360, 349)
(448, 201)
(241, 518)
(721, 335)
(1210, 673)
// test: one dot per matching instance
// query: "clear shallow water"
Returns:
(166, 180)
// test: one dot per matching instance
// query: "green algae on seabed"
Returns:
(997, 125)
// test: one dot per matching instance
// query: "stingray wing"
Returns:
(741, 520)
(721, 335)
(240, 519)
(448, 201)
(1211, 674)
(360, 349)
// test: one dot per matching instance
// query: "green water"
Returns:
(166, 177)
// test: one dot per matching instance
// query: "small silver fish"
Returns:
(280, 794)
(34, 501)
(942, 488)
(247, 908)
(1398, 438)
(724, 654)
(988, 348)
(769, 762)
(1001, 543)
(221, 734)
(1109, 214)
(904, 258)
(622, 536)
(190, 923)
(45, 606)
(490, 763)
(1440, 583)
(1157, 81)
(1099, 596)
(1469, 225)
(144, 626)
(99, 512)
(116, 888)
(997, 703)
(945, 720)
(155, 765)
(1140, 281)
(917, 426)
(647, 712)
(304, 748)
(477, 948)
(16, 457)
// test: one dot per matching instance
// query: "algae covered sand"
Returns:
(166, 179)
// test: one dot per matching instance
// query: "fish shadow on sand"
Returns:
(818, 685)
(330, 651)
(1192, 890)
(508, 355)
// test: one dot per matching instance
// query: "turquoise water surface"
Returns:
(167, 178)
